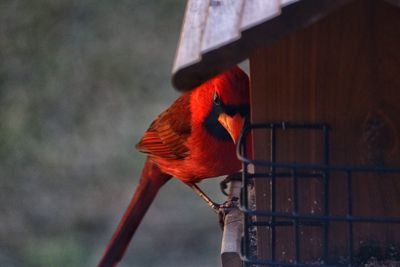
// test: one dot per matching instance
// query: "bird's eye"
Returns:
(216, 100)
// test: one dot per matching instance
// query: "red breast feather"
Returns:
(178, 141)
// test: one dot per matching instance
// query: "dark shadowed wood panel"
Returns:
(344, 71)
(394, 2)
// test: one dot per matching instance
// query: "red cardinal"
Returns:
(192, 140)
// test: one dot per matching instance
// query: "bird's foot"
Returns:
(225, 208)
(232, 177)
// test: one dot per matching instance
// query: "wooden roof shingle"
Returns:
(217, 34)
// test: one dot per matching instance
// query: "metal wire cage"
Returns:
(311, 216)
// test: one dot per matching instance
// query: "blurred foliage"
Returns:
(80, 81)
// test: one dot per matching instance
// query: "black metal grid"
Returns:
(295, 171)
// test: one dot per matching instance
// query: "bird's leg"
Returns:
(210, 203)
(221, 209)
(232, 177)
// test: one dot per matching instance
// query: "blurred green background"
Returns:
(80, 81)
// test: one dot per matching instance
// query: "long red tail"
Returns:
(150, 182)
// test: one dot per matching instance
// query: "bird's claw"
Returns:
(225, 208)
(224, 183)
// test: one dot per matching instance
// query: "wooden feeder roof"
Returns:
(217, 34)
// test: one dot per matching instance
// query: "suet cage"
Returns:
(310, 215)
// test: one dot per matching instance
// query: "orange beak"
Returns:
(233, 125)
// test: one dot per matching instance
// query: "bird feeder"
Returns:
(325, 122)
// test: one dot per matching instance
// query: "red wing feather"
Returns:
(167, 135)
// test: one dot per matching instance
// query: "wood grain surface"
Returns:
(344, 71)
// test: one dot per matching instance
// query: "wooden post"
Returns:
(233, 229)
